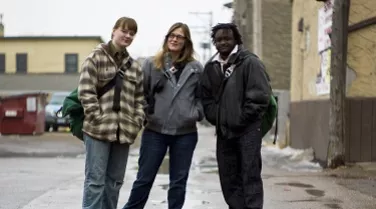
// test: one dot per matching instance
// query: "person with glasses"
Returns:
(171, 88)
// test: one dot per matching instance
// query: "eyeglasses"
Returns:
(178, 37)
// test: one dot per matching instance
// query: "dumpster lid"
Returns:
(22, 94)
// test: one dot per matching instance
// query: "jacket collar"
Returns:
(217, 57)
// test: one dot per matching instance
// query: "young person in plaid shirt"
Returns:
(112, 121)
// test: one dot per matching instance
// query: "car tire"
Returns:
(47, 128)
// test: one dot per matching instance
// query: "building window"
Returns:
(71, 63)
(21, 63)
(2, 63)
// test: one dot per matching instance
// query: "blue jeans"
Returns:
(104, 173)
(152, 151)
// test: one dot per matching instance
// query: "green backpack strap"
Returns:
(276, 121)
(270, 116)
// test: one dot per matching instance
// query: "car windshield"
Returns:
(57, 99)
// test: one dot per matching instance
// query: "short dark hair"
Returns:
(126, 22)
(229, 26)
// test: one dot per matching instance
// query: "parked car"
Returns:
(54, 104)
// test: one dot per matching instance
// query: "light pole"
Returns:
(337, 124)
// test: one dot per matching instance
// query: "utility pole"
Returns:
(1, 26)
(336, 149)
(257, 27)
(206, 29)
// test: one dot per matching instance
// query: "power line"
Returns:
(204, 29)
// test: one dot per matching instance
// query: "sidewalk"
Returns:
(359, 177)
(59, 181)
(69, 195)
(283, 190)
(53, 144)
(203, 191)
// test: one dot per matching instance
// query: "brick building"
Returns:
(266, 29)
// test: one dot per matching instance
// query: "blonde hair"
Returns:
(187, 51)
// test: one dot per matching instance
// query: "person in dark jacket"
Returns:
(171, 82)
(235, 93)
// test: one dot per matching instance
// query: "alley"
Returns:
(56, 182)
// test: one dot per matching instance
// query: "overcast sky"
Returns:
(96, 18)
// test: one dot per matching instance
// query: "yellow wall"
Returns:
(362, 50)
(306, 60)
(45, 55)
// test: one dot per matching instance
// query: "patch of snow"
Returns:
(290, 159)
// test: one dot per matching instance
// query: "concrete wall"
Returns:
(44, 56)
(276, 41)
(276, 36)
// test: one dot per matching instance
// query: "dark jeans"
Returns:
(239, 164)
(104, 173)
(152, 151)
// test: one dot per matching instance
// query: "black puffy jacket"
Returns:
(245, 96)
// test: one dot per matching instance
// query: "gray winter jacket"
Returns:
(177, 107)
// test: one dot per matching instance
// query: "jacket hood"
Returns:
(241, 55)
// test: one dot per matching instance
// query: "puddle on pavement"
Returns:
(304, 200)
(158, 202)
(25, 172)
(205, 202)
(327, 205)
(164, 202)
(333, 206)
(194, 191)
(315, 192)
(295, 184)
(133, 154)
(208, 160)
(164, 186)
(206, 165)
(206, 191)
(210, 171)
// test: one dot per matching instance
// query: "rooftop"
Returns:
(52, 38)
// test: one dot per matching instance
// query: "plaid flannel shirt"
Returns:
(101, 122)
